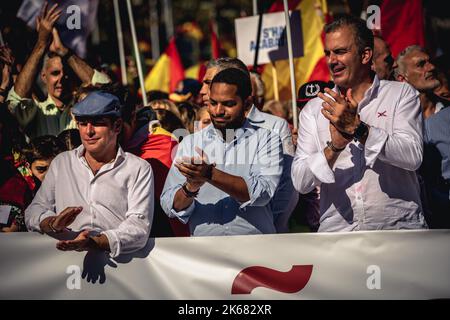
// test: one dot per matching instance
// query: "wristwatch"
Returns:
(187, 193)
(360, 131)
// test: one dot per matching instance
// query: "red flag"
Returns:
(402, 24)
(215, 45)
(158, 150)
(312, 66)
(176, 67)
(167, 72)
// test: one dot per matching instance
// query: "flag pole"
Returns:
(276, 93)
(123, 67)
(291, 64)
(2, 43)
(136, 52)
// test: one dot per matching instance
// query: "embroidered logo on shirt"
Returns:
(382, 114)
(291, 281)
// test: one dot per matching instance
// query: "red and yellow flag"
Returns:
(312, 66)
(167, 72)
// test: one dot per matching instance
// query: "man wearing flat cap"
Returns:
(98, 190)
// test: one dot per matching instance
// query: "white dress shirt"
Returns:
(371, 186)
(117, 201)
(285, 198)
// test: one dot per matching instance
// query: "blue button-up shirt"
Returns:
(255, 155)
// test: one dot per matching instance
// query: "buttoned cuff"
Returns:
(374, 145)
(43, 216)
(114, 243)
(184, 215)
(252, 194)
(319, 167)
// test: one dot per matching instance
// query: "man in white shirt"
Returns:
(97, 189)
(361, 142)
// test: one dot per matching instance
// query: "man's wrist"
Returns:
(334, 148)
(188, 192)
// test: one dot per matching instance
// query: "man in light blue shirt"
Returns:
(224, 176)
(285, 198)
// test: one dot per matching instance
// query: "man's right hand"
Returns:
(45, 22)
(61, 221)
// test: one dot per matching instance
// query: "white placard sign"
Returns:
(273, 44)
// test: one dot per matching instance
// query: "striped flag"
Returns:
(167, 72)
(312, 66)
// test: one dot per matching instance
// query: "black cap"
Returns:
(310, 90)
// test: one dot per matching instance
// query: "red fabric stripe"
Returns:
(320, 71)
(402, 24)
(176, 67)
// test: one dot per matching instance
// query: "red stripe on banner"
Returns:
(287, 282)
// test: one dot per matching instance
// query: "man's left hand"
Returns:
(80, 243)
(57, 46)
(195, 169)
(342, 111)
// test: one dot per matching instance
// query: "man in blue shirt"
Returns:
(224, 176)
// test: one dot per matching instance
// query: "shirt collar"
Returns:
(255, 116)
(120, 156)
(212, 133)
(370, 93)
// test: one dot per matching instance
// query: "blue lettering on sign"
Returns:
(272, 37)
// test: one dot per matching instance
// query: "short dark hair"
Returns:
(363, 35)
(43, 148)
(235, 77)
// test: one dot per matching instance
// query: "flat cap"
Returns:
(97, 104)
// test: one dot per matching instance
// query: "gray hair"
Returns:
(401, 68)
(225, 63)
(47, 57)
(260, 87)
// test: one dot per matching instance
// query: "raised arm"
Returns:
(84, 71)
(44, 26)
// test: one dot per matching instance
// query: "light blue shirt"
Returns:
(255, 155)
(286, 197)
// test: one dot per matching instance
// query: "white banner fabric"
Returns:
(359, 265)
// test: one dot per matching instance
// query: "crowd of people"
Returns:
(213, 158)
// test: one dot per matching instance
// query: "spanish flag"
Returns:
(312, 66)
(158, 149)
(402, 24)
(167, 72)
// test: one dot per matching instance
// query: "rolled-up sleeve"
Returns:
(132, 234)
(24, 109)
(265, 171)
(404, 147)
(99, 78)
(173, 183)
(310, 167)
(43, 204)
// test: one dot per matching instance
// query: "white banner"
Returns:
(273, 44)
(360, 265)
